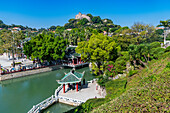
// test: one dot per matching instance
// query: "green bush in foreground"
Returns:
(167, 49)
(132, 72)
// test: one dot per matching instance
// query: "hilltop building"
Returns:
(81, 16)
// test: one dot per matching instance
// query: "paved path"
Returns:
(83, 94)
(7, 63)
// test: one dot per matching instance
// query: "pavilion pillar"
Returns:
(77, 87)
(63, 88)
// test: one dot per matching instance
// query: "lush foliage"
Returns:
(46, 47)
(10, 41)
(147, 91)
(99, 50)
(132, 72)
(165, 23)
(145, 52)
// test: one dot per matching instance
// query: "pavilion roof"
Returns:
(71, 53)
(71, 77)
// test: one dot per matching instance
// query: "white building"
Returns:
(81, 16)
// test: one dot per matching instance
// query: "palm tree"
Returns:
(165, 23)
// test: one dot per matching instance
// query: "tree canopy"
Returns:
(46, 47)
(10, 40)
(165, 23)
(96, 19)
(99, 50)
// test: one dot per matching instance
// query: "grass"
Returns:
(146, 91)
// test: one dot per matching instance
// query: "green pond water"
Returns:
(19, 95)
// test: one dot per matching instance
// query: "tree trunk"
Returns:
(13, 57)
(145, 58)
(145, 64)
(99, 64)
(134, 63)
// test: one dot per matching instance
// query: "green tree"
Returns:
(83, 21)
(28, 49)
(168, 37)
(99, 50)
(145, 52)
(96, 19)
(46, 47)
(124, 39)
(165, 23)
(160, 31)
(59, 31)
(52, 28)
(10, 41)
(90, 15)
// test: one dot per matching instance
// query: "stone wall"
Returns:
(101, 90)
(28, 72)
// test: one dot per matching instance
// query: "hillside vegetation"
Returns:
(146, 91)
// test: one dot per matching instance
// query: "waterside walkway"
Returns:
(88, 91)
(71, 97)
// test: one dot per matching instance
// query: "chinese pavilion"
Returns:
(73, 78)
(72, 59)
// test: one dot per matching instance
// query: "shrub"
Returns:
(156, 52)
(155, 45)
(167, 49)
(132, 72)
(168, 65)
(102, 80)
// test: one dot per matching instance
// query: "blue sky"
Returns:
(45, 13)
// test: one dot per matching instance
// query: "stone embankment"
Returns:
(28, 72)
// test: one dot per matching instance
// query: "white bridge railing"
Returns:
(47, 102)
(44, 104)
(54, 98)
(74, 101)
(57, 91)
(74, 65)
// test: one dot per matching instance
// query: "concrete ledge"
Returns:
(68, 102)
(28, 72)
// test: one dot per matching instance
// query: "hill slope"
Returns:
(147, 91)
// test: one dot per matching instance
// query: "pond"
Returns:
(19, 95)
